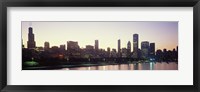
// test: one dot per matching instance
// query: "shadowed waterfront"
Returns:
(136, 66)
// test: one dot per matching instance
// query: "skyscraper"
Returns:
(152, 50)
(46, 45)
(135, 42)
(128, 48)
(145, 49)
(96, 45)
(135, 45)
(119, 46)
(31, 41)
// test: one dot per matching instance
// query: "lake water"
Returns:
(136, 66)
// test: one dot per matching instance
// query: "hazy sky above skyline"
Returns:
(163, 33)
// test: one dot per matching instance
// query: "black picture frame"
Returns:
(98, 3)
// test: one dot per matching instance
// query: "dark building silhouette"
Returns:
(102, 53)
(31, 40)
(89, 47)
(159, 54)
(164, 50)
(119, 48)
(22, 44)
(164, 53)
(54, 48)
(177, 53)
(124, 52)
(152, 50)
(46, 45)
(62, 47)
(135, 45)
(73, 49)
(114, 53)
(96, 45)
(128, 48)
(55, 52)
(39, 48)
(108, 49)
(108, 52)
(139, 53)
(145, 49)
(72, 46)
(89, 50)
(174, 50)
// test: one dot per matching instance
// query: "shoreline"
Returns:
(81, 65)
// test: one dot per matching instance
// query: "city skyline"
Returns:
(56, 35)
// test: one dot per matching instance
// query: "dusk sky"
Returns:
(163, 33)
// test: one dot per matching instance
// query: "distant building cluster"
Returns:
(73, 50)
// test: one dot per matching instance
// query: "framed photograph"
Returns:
(91, 45)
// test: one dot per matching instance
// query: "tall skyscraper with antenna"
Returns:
(135, 45)
(31, 39)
